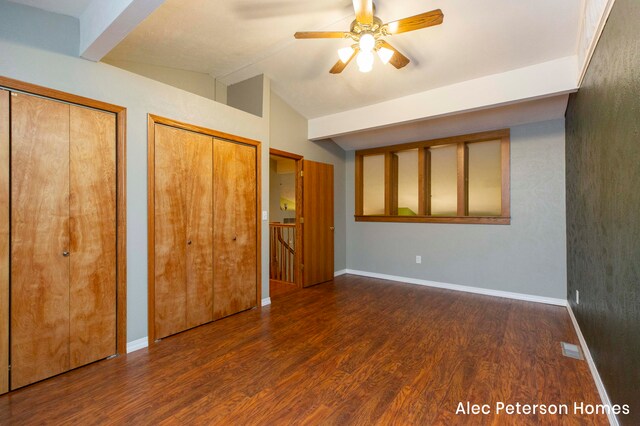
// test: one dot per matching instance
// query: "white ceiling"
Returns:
(220, 37)
(237, 39)
(64, 7)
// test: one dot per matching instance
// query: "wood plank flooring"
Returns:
(355, 351)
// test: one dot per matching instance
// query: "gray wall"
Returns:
(194, 82)
(603, 202)
(34, 27)
(289, 133)
(27, 61)
(526, 257)
(247, 95)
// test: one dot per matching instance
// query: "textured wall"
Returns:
(526, 257)
(603, 203)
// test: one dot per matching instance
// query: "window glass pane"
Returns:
(407, 182)
(485, 180)
(373, 184)
(444, 180)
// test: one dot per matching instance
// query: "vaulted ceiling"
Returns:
(490, 64)
(236, 39)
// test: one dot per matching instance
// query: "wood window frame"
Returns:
(152, 120)
(121, 198)
(424, 180)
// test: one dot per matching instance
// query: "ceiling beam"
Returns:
(106, 23)
(484, 120)
(543, 80)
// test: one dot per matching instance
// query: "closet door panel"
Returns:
(39, 236)
(170, 231)
(224, 199)
(246, 226)
(199, 230)
(234, 228)
(92, 207)
(4, 241)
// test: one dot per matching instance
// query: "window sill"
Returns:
(473, 220)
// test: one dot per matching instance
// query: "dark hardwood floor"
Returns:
(356, 351)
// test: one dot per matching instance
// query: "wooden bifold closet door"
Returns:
(203, 226)
(183, 230)
(235, 224)
(63, 237)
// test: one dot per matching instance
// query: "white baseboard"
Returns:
(467, 289)
(592, 366)
(137, 344)
(266, 301)
(340, 272)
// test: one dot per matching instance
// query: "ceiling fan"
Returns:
(368, 32)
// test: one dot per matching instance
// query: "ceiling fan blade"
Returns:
(364, 11)
(424, 20)
(340, 66)
(398, 60)
(321, 34)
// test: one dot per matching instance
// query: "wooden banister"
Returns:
(282, 238)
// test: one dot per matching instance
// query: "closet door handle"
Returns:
(235, 238)
(65, 253)
(189, 242)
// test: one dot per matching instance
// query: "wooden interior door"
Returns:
(92, 209)
(4, 241)
(235, 225)
(39, 239)
(318, 224)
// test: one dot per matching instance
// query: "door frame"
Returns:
(152, 120)
(299, 213)
(120, 112)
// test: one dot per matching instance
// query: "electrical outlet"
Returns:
(577, 297)
(418, 259)
(265, 215)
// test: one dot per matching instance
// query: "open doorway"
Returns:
(285, 227)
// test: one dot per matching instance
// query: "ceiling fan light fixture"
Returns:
(367, 33)
(345, 54)
(367, 42)
(385, 55)
(365, 61)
